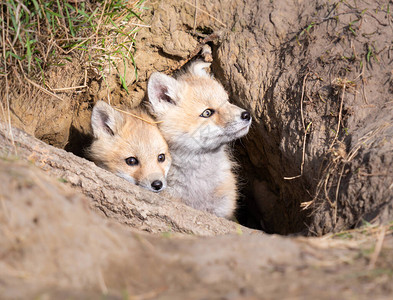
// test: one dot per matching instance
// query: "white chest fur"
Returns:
(196, 180)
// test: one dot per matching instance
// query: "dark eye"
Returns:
(207, 113)
(132, 161)
(161, 157)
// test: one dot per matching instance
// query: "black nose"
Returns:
(157, 185)
(245, 116)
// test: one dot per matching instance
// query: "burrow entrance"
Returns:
(260, 203)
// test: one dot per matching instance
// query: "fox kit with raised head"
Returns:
(130, 147)
(197, 121)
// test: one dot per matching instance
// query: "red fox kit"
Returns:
(129, 147)
(198, 121)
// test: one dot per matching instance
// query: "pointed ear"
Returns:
(105, 120)
(198, 68)
(162, 91)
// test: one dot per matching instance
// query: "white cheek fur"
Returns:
(126, 177)
(142, 184)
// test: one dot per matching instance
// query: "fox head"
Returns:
(129, 147)
(194, 110)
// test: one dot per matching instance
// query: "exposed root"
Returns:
(305, 132)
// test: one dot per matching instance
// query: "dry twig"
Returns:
(305, 132)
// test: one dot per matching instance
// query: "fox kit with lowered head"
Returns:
(198, 121)
(130, 147)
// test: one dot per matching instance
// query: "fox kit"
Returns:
(129, 147)
(198, 121)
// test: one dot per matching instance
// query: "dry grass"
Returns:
(333, 172)
(337, 157)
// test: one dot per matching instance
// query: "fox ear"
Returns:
(162, 91)
(198, 68)
(105, 120)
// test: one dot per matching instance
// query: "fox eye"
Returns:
(132, 161)
(161, 157)
(207, 113)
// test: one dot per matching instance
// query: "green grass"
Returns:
(371, 54)
(370, 274)
(62, 180)
(343, 235)
(36, 34)
(351, 27)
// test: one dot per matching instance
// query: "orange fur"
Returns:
(119, 136)
(198, 122)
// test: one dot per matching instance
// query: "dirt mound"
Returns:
(111, 196)
(53, 246)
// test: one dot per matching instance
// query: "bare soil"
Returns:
(317, 78)
(53, 246)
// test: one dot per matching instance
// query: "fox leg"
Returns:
(225, 195)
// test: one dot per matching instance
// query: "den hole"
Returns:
(259, 205)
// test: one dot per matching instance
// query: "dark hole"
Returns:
(78, 142)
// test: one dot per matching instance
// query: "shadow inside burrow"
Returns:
(264, 203)
(79, 142)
